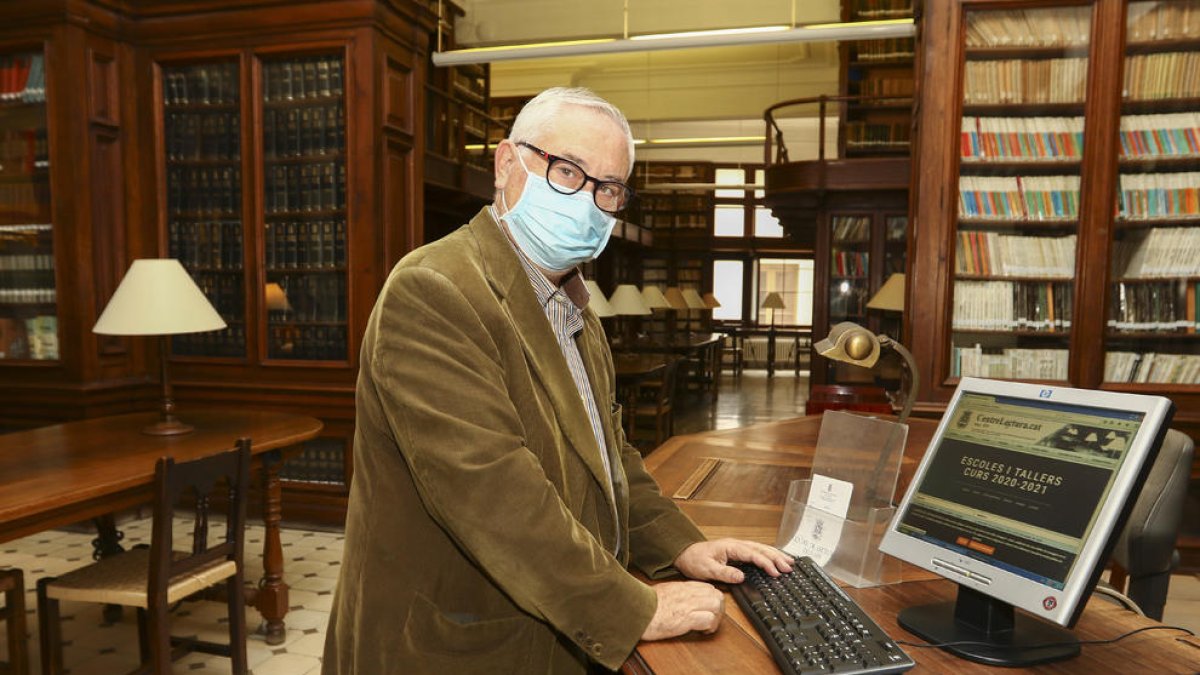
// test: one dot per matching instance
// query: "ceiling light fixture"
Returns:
(858, 30)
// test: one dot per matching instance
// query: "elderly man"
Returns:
(495, 503)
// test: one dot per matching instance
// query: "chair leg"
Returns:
(14, 604)
(143, 626)
(49, 630)
(237, 623)
(159, 625)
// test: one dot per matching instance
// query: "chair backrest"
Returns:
(667, 390)
(1147, 545)
(198, 481)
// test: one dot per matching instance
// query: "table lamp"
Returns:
(157, 297)
(890, 296)
(653, 297)
(627, 301)
(692, 297)
(675, 299)
(710, 301)
(850, 343)
(597, 301)
(276, 299)
(773, 302)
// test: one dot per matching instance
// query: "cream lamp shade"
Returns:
(276, 299)
(773, 301)
(597, 301)
(157, 297)
(890, 296)
(711, 301)
(675, 298)
(692, 297)
(654, 298)
(627, 301)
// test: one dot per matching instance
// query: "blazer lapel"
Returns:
(593, 347)
(510, 282)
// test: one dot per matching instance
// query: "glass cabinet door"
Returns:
(304, 207)
(1155, 276)
(202, 138)
(28, 302)
(1020, 159)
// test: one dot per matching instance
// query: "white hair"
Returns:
(540, 112)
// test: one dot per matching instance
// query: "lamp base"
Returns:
(171, 427)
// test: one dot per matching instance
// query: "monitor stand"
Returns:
(998, 635)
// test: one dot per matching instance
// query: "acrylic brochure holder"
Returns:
(839, 515)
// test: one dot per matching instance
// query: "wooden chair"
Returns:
(12, 585)
(731, 348)
(655, 403)
(152, 579)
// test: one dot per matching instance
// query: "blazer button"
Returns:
(597, 648)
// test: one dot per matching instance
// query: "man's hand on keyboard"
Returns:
(709, 560)
(683, 607)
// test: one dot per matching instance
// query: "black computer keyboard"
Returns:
(812, 626)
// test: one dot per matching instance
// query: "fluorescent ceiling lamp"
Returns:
(707, 140)
(859, 30)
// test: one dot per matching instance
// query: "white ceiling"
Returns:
(681, 93)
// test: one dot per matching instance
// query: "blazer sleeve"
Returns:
(441, 383)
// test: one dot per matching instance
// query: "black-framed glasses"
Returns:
(567, 177)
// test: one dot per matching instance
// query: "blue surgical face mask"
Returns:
(557, 231)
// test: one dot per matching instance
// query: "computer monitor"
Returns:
(1019, 499)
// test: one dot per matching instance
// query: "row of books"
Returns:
(885, 86)
(1049, 27)
(1012, 305)
(321, 461)
(213, 245)
(1162, 20)
(884, 50)
(229, 342)
(1025, 81)
(1164, 306)
(225, 291)
(311, 297)
(22, 78)
(25, 200)
(35, 337)
(851, 229)
(298, 79)
(1152, 367)
(850, 264)
(877, 134)
(27, 271)
(995, 254)
(881, 9)
(1168, 135)
(201, 84)
(30, 295)
(1165, 75)
(1019, 197)
(1010, 363)
(213, 135)
(843, 304)
(686, 221)
(204, 190)
(1159, 195)
(1016, 139)
(306, 187)
(1158, 252)
(302, 131)
(305, 244)
(23, 151)
(26, 229)
(310, 343)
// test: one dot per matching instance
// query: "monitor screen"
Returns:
(1020, 493)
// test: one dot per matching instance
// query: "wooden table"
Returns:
(66, 473)
(734, 483)
(704, 349)
(632, 369)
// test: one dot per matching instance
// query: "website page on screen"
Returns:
(1019, 483)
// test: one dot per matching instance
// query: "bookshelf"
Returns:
(877, 68)
(28, 298)
(1067, 252)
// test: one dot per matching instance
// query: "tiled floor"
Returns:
(312, 563)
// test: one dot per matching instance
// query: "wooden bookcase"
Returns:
(876, 68)
(277, 150)
(1067, 252)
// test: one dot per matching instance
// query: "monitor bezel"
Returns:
(1061, 607)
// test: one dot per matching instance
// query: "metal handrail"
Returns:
(775, 134)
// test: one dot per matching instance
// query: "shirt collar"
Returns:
(571, 288)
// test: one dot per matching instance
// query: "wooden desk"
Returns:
(733, 484)
(66, 473)
(703, 349)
